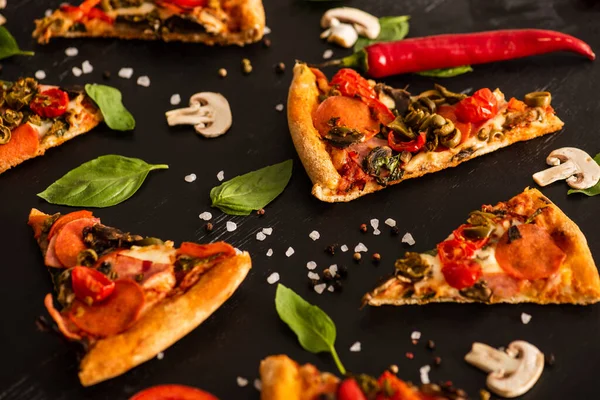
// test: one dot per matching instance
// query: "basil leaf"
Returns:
(392, 28)
(447, 72)
(252, 191)
(315, 330)
(103, 182)
(110, 102)
(9, 46)
(594, 190)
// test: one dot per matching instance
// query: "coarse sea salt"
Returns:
(274, 277)
(39, 75)
(76, 71)
(331, 289)
(408, 239)
(267, 231)
(71, 51)
(143, 81)
(269, 252)
(333, 269)
(327, 54)
(206, 216)
(279, 107)
(376, 232)
(374, 223)
(289, 252)
(221, 176)
(86, 67)
(525, 318)
(416, 335)
(175, 99)
(311, 265)
(313, 275)
(390, 222)
(320, 288)
(257, 384)
(261, 236)
(360, 248)
(267, 30)
(160, 355)
(125, 73)
(190, 178)
(424, 372)
(48, 13)
(242, 382)
(231, 226)
(314, 235)
(356, 347)
(344, 248)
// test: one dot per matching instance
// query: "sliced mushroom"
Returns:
(209, 113)
(364, 23)
(575, 165)
(511, 373)
(341, 34)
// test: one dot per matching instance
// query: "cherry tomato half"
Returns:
(482, 106)
(50, 103)
(349, 390)
(454, 250)
(173, 392)
(90, 283)
(462, 274)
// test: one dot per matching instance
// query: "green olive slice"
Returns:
(538, 99)
(452, 140)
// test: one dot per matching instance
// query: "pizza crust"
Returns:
(165, 323)
(578, 279)
(303, 100)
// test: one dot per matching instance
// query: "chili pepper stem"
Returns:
(357, 60)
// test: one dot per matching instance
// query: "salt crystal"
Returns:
(360, 247)
(279, 107)
(76, 71)
(221, 175)
(39, 75)
(289, 252)
(160, 355)
(206, 216)
(269, 252)
(257, 384)
(267, 231)
(356, 347)
(261, 236)
(48, 13)
(313, 275)
(125, 73)
(190, 178)
(237, 251)
(175, 99)
(424, 372)
(525, 318)
(376, 232)
(375, 223)
(416, 335)
(408, 239)
(242, 382)
(274, 277)
(344, 248)
(71, 51)
(320, 288)
(390, 222)
(314, 235)
(267, 30)
(327, 54)
(143, 81)
(86, 67)
(333, 269)
(331, 288)
(231, 226)
(311, 265)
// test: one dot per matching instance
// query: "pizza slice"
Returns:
(36, 117)
(284, 379)
(524, 250)
(211, 22)
(356, 136)
(124, 297)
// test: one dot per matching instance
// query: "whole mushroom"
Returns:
(570, 163)
(344, 24)
(209, 113)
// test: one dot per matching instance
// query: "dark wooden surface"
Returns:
(246, 329)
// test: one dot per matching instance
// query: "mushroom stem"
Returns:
(558, 173)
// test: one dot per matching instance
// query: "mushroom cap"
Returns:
(364, 23)
(218, 110)
(343, 34)
(588, 171)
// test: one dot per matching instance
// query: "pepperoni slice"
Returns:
(65, 219)
(173, 392)
(532, 256)
(113, 315)
(348, 112)
(69, 241)
(23, 144)
(61, 323)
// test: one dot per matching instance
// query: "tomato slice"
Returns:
(462, 274)
(349, 390)
(50, 103)
(173, 392)
(89, 283)
(221, 249)
(476, 244)
(454, 250)
(482, 106)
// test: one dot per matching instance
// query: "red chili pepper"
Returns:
(90, 283)
(351, 84)
(482, 106)
(412, 147)
(349, 390)
(86, 10)
(462, 274)
(454, 250)
(453, 50)
(50, 103)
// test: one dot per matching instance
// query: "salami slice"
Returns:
(61, 323)
(529, 253)
(65, 219)
(113, 315)
(69, 241)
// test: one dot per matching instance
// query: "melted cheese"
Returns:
(159, 254)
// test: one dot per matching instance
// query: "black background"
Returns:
(246, 329)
